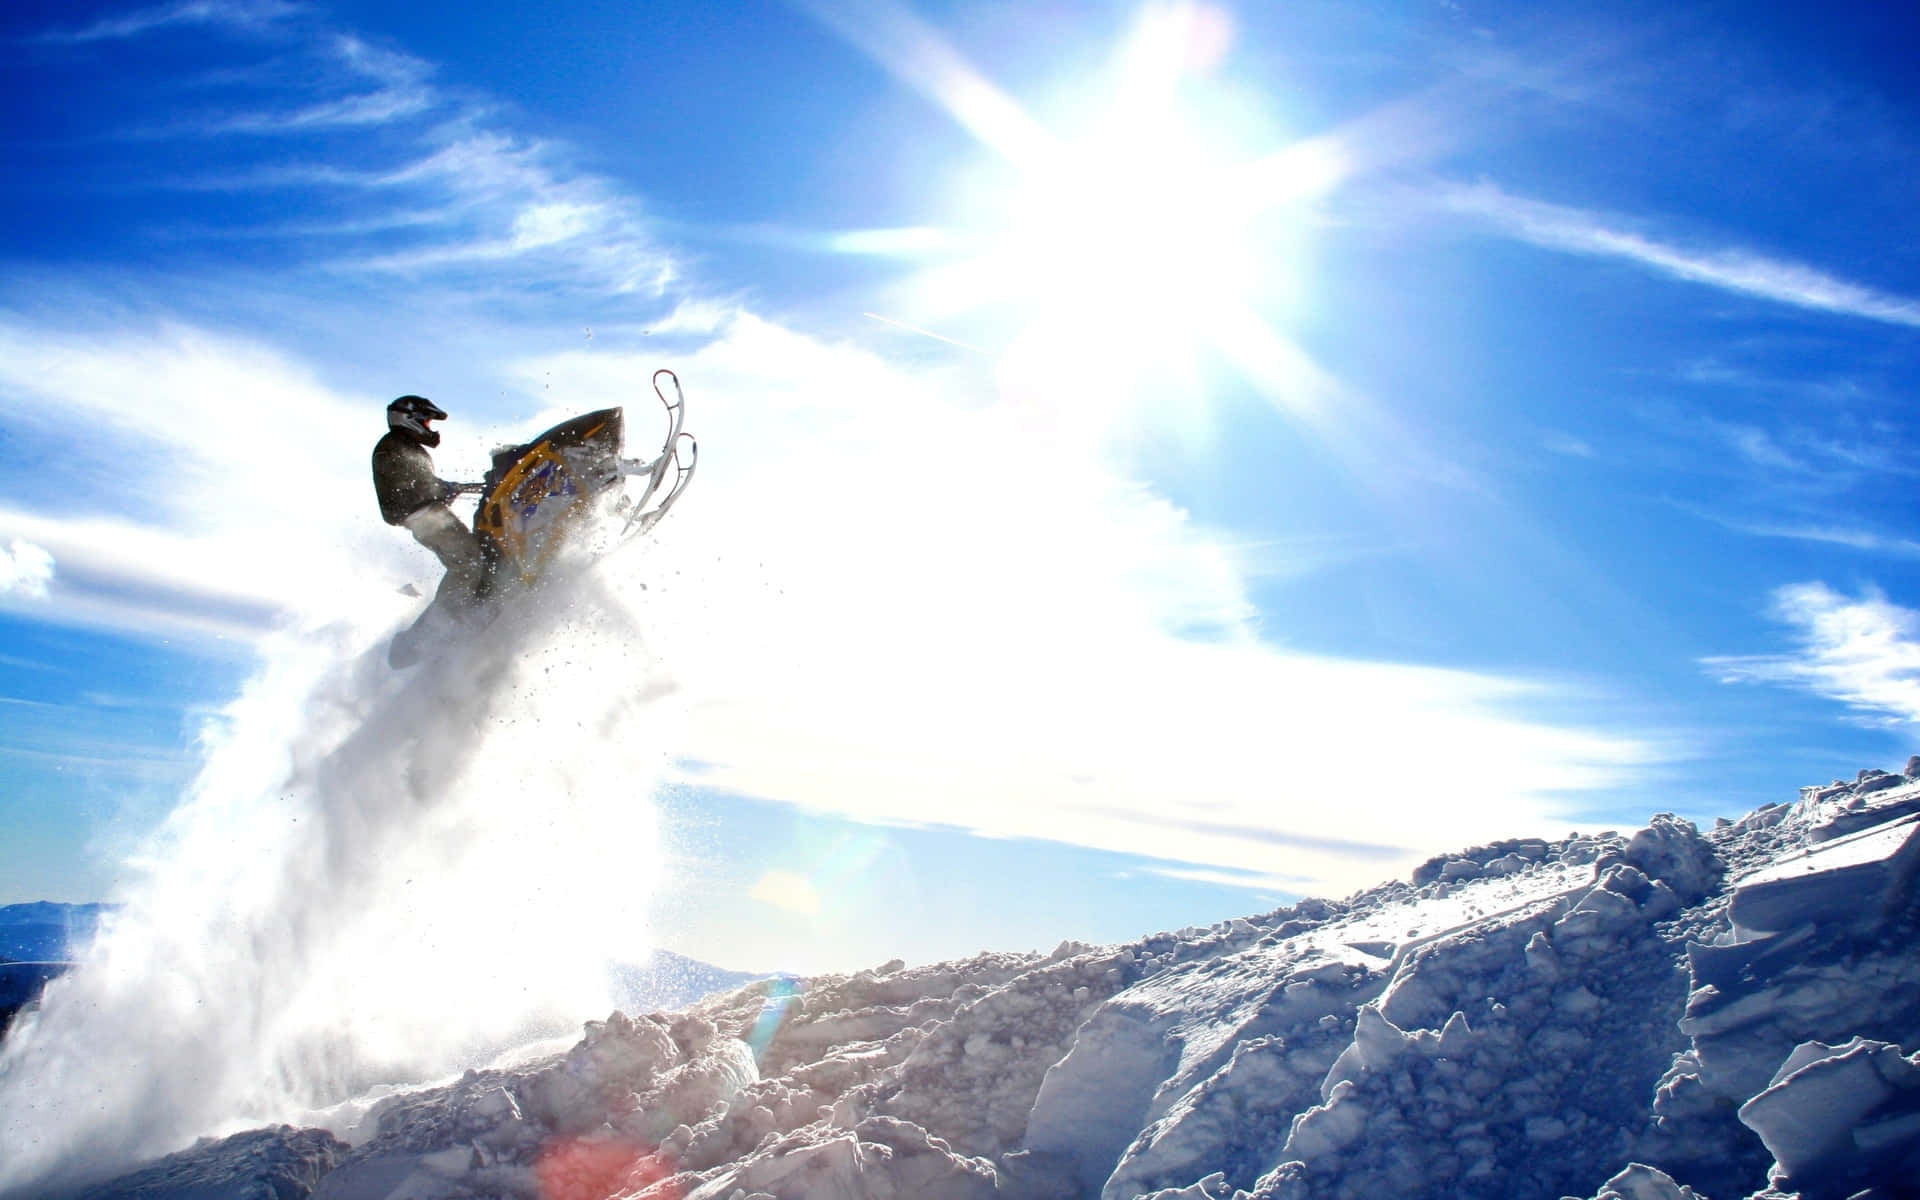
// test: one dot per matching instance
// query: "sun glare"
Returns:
(1139, 243)
(1128, 227)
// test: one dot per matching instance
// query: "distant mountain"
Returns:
(37, 941)
(20, 984)
(47, 932)
(48, 935)
(669, 981)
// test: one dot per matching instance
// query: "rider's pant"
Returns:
(458, 550)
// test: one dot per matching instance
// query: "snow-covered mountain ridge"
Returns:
(44, 932)
(1657, 1015)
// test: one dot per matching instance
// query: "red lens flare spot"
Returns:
(599, 1168)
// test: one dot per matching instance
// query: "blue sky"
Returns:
(1161, 459)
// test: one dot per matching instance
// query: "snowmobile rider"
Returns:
(411, 495)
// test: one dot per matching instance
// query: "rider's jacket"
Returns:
(403, 477)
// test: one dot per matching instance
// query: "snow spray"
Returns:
(377, 878)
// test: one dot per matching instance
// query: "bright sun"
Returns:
(1125, 228)
(1126, 252)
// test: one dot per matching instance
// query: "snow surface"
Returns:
(1572, 1018)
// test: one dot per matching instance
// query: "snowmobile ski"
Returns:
(640, 518)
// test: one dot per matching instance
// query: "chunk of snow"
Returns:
(1641, 1182)
(1810, 1111)
(1094, 1100)
(1327, 1128)
(1858, 877)
(1545, 1129)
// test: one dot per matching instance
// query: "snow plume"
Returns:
(378, 877)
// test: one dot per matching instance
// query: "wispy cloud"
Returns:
(1837, 530)
(1862, 651)
(71, 737)
(247, 15)
(1566, 445)
(436, 181)
(596, 231)
(401, 89)
(480, 196)
(25, 569)
(1758, 447)
(1829, 535)
(1746, 272)
(372, 108)
(1247, 880)
(1792, 382)
(122, 759)
(1791, 452)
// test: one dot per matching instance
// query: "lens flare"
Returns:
(781, 995)
(600, 1168)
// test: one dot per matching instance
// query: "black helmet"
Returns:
(410, 415)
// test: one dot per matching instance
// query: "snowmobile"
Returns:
(569, 486)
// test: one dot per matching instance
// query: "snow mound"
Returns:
(1665, 1015)
(266, 1163)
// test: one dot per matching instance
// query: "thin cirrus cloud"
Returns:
(1582, 231)
(1566, 444)
(1758, 447)
(1835, 532)
(341, 66)
(480, 196)
(57, 741)
(1832, 535)
(1863, 651)
(437, 184)
(246, 15)
(373, 108)
(1812, 459)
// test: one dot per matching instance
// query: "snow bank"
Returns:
(586, 1119)
(274, 1162)
(1665, 1015)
